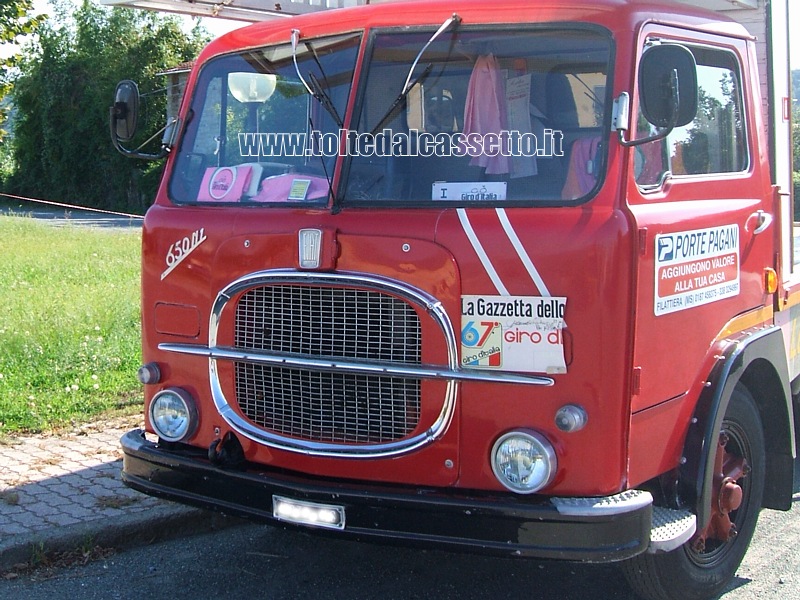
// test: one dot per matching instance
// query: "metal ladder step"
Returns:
(671, 529)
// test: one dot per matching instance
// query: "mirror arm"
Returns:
(165, 148)
(651, 138)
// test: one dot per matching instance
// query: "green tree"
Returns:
(15, 21)
(796, 139)
(796, 85)
(61, 144)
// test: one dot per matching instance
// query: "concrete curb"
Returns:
(164, 521)
(63, 492)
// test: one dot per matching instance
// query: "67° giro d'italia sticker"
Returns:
(513, 333)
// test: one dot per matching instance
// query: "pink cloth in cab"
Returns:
(485, 111)
(277, 188)
(581, 176)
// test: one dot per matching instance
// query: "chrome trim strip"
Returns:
(358, 368)
(452, 372)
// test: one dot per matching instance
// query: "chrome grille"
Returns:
(331, 322)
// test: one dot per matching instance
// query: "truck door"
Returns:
(696, 198)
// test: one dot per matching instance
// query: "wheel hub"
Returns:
(726, 496)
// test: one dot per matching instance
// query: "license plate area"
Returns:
(313, 514)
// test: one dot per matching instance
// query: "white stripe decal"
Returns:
(476, 245)
(523, 255)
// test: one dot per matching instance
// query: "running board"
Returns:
(671, 529)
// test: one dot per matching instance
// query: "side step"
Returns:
(671, 529)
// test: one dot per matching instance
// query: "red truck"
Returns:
(515, 278)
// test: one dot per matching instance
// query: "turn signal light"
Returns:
(770, 280)
(571, 417)
(149, 374)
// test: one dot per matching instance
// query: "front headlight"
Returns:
(173, 415)
(524, 461)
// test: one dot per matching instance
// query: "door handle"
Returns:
(762, 219)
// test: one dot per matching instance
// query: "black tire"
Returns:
(684, 573)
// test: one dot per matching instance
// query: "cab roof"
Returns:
(615, 15)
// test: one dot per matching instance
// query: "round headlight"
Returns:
(523, 461)
(173, 414)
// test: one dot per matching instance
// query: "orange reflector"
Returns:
(770, 280)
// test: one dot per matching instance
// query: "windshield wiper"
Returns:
(324, 99)
(315, 90)
(398, 103)
(453, 21)
(328, 177)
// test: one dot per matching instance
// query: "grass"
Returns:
(69, 326)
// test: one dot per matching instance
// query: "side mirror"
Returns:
(125, 112)
(123, 119)
(668, 85)
(667, 92)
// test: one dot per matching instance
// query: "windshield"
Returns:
(485, 116)
(492, 116)
(250, 123)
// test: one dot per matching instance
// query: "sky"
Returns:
(214, 26)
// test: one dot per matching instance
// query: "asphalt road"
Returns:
(62, 217)
(255, 561)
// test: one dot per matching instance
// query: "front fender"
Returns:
(757, 360)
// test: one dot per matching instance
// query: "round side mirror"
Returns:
(668, 85)
(125, 112)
